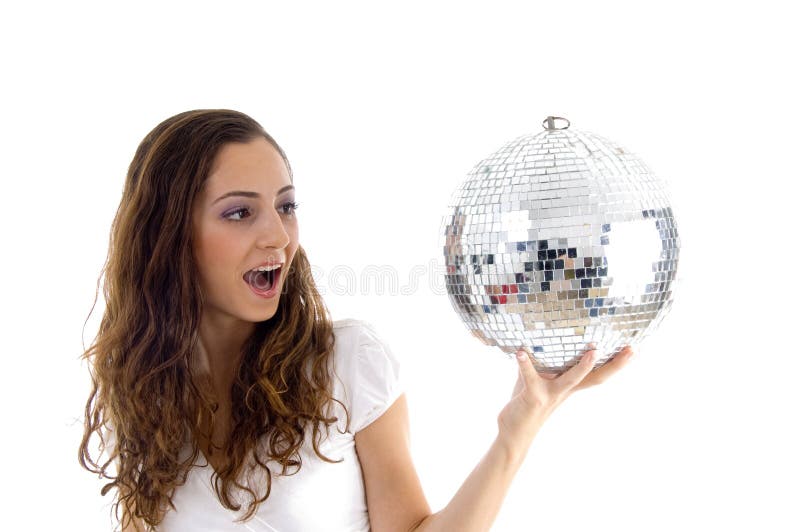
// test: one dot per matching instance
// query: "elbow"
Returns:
(422, 524)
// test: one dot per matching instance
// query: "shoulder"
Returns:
(368, 370)
(360, 341)
(352, 332)
(349, 324)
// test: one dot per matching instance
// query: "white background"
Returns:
(383, 109)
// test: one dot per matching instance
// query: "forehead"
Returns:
(254, 165)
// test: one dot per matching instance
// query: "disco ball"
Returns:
(559, 239)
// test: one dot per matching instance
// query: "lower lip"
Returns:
(272, 291)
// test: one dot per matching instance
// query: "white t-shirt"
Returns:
(321, 496)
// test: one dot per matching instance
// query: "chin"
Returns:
(268, 313)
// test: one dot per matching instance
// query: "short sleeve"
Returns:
(377, 378)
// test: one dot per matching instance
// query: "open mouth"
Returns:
(262, 282)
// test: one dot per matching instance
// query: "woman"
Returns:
(224, 395)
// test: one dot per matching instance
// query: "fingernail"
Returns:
(521, 354)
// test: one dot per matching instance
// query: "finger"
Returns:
(579, 371)
(519, 385)
(605, 371)
(550, 376)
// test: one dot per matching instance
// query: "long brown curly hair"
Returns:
(144, 392)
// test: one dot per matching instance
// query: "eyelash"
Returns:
(293, 205)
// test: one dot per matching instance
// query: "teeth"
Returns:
(267, 268)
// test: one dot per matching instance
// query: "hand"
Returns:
(536, 395)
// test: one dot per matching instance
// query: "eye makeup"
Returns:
(286, 207)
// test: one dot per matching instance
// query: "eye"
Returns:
(239, 214)
(292, 206)
(238, 211)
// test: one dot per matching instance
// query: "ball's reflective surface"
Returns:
(557, 240)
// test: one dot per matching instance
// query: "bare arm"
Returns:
(395, 499)
(477, 503)
(394, 496)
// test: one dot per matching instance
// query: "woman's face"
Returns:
(242, 218)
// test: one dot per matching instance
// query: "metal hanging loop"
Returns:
(549, 123)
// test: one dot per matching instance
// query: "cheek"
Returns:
(215, 254)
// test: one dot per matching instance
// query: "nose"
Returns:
(272, 233)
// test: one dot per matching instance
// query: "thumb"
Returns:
(526, 369)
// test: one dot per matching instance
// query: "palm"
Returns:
(536, 395)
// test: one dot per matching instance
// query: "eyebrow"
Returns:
(248, 194)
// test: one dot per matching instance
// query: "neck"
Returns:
(218, 355)
(220, 350)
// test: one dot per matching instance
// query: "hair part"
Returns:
(144, 392)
